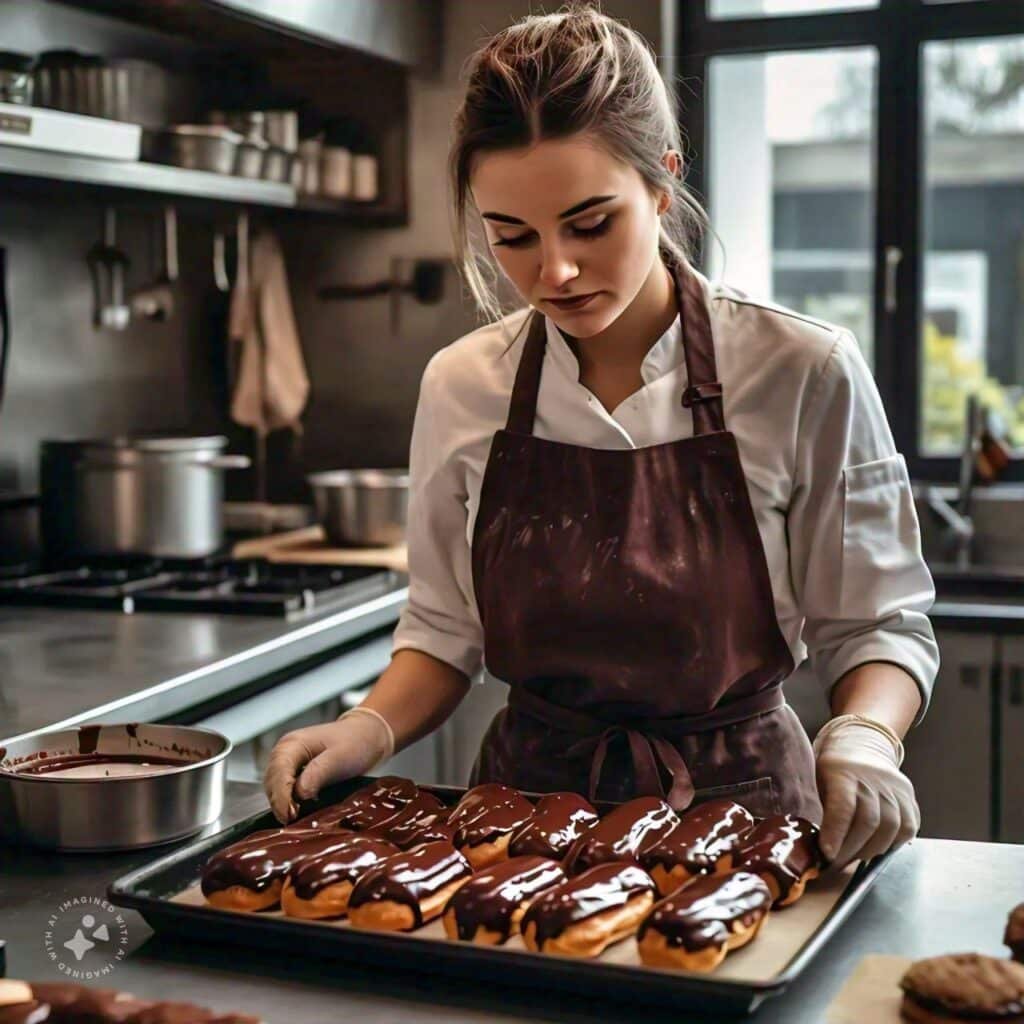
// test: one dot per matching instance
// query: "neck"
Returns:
(627, 341)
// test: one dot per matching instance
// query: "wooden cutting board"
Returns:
(309, 546)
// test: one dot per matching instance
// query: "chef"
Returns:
(641, 500)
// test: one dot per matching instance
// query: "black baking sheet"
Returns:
(151, 891)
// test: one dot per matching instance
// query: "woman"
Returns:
(641, 500)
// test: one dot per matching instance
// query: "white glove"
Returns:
(332, 752)
(869, 804)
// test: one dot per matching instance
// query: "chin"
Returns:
(584, 326)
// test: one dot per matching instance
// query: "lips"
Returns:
(575, 302)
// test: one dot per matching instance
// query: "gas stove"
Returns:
(218, 584)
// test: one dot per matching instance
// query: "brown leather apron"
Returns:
(625, 599)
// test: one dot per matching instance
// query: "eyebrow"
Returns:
(572, 211)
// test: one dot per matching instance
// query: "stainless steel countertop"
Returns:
(61, 667)
(936, 896)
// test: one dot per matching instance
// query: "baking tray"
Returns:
(158, 890)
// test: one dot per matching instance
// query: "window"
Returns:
(756, 8)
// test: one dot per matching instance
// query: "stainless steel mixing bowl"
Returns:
(115, 813)
(362, 507)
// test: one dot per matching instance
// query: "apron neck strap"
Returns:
(703, 395)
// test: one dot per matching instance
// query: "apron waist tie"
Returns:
(648, 738)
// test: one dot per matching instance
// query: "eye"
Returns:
(591, 227)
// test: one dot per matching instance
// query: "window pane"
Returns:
(770, 8)
(973, 320)
(791, 192)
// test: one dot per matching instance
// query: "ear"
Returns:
(674, 164)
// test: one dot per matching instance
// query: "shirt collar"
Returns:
(663, 356)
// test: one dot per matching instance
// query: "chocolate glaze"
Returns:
(259, 860)
(557, 821)
(704, 835)
(487, 812)
(1013, 935)
(698, 916)
(373, 804)
(423, 810)
(492, 896)
(437, 831)
(783, 845)
(604, 887)
(342, 863)
(625, 833)
(88, 738)
(188, 1013)
(47, 765)
(410, 877)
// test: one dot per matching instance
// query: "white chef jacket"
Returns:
(830, 493)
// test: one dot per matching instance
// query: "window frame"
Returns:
(898, 31)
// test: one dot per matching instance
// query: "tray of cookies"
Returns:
(711, 908)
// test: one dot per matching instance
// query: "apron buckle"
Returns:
(701, 393)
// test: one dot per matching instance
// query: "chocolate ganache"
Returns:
(604, 887)
(625, 833)
(410, 877)
(700, 914)
(491, 897)
(783, 845)
(703, 836)
(424, 809)
(371, 805)
(345, 862)
(487, 812)
(558, 820)
(256, 862)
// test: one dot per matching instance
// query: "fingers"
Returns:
(839, 797)
(287, 759)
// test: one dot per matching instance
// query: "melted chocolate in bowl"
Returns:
(101, 766)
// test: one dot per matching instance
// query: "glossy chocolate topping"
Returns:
(257, 861)
(704, 835)
(101, 1006)
(375, 803)
(698, 916)
(423, 810)
(784, 845)
(558, 820)
(410, 877)
(625, 833)
(34, 1012)
(98, 766)
(604, 887)
(343, 863)
(435, 832)
(491, 897)
(188, 1013)
(487, 812)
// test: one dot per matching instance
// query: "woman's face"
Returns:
(565, 219)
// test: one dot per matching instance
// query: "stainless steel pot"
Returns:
(199, 147)
(362, 507)
(159, 496)
(114, 813)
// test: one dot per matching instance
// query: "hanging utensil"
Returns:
(156, 302)
(107, 268)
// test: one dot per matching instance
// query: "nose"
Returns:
(557, 267)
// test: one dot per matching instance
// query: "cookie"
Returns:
(963, 987)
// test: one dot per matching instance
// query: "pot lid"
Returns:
(147, 443)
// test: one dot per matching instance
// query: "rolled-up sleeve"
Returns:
(439, 618)
(855, 545)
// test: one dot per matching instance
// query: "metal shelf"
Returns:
(37, 163)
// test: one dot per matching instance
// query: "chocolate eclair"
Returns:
(587, 913)
(625, 833)
(705, 841)
(188, 1013)
(249, 874)
(558, 820)
(784, 851)
(1013, 935)
(408, 889)
(484, 820)
(20, 1005)
(963, 987)
(85, 1005)
(320, 885)
(367, 807)
(697, 926)
(404, 828)
(490, 906)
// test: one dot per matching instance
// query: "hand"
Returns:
(869, 804)
(321, 754)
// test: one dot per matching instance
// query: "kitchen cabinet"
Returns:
(1010, 712)
(950, 754)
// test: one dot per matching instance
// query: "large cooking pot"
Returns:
(161, 496)
(362, 507)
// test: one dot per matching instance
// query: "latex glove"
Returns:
(869, 804)
(321, 754)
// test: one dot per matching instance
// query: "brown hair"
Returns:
(551, 76)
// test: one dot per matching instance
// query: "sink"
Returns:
(997, 513)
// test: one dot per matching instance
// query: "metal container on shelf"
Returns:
(199, 147)
(15, 78)
(277, 164)
(250, 157)
(159, 496)
(55, 791)
(362, 507)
